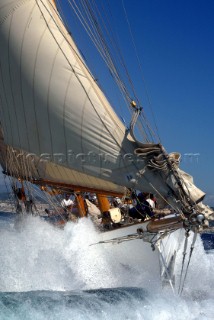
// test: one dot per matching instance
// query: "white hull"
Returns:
(155, 264)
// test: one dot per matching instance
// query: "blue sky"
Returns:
(175, 44)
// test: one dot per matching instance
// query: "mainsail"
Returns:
(55, 116)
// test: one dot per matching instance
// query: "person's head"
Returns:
(141, 196)
(67, 196)
(146, 195)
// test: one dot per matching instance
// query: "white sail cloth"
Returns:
(50, 103)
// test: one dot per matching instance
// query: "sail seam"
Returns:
(34, 77)
(82, 117)
(64, 110)
(3, 88)
(12, 10)
(48, 94)
(21, 84)
(10, 79)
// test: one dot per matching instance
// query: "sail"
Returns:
(53, 108)
(51, 105)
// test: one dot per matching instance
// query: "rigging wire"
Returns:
(184, 257)
(93, 30)
(89, 18)
(109, 32)
(141, 125)
(190, 256)
(144, 124)
(115, 43)
(118, 56)
(141, 70)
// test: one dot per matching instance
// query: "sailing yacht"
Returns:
(60, 132)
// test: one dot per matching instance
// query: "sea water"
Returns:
(52, 273)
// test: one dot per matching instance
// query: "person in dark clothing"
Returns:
(142, 209)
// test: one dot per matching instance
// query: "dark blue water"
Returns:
(208, 241)
(115, 303)
(50, 273)
(95, 304)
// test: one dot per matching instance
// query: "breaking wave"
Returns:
(52, 273)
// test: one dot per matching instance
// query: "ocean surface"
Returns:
(52, 273)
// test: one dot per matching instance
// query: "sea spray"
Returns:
(35, 255)
(199, 279)
(52, 273)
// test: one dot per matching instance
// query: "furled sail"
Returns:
(53, 109)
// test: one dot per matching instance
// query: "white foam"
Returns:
(38, 256)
